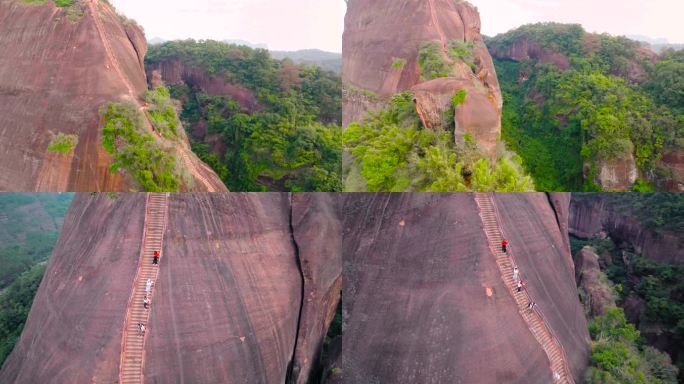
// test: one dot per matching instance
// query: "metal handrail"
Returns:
(535, 308)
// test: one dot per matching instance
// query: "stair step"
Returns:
(491, 227)
(155, 213)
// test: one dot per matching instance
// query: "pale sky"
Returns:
(652, 18)
(301, 24)
(284, 25)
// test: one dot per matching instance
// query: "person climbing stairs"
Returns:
(531, 314)
(133, 343)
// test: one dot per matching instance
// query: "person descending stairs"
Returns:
(512, 278)
(142, 296)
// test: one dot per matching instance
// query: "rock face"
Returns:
(617, 174)
(524, 49)
(674, 161)
(381, 47)
(424, 301)
(590, 217)
(58, 67)
(244, 291)
(597, 292)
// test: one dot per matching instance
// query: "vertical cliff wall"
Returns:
(591, 215)
(424, 300)
(228, 305)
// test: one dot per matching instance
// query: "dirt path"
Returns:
(533, 317)
(132, 342)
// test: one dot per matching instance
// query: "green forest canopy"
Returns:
(659, 211)
(290, 141)
(599, 109)
(29, 227)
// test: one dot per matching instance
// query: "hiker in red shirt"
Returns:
(155, 260)
(504, 244)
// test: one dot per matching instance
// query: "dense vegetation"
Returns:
(15, 304)
(277, 129)
(29, 228)
(611, 103)
(659, 211)
(657, 287)
(144, 157)
(666, 85)
(618, 355)
(390, 151)
(162, 112)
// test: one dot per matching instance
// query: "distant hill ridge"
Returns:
(331, 61)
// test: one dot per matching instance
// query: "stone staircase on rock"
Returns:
(133, 343)
(533, 318)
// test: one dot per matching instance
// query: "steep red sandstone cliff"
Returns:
(380, 33)
(424, 299)
(590, 217)
(56, 70)
(597, 293)
(245, 286)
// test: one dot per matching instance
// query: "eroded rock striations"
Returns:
(244, 292)
(424, 299)
(59, 66)
(382, 45)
